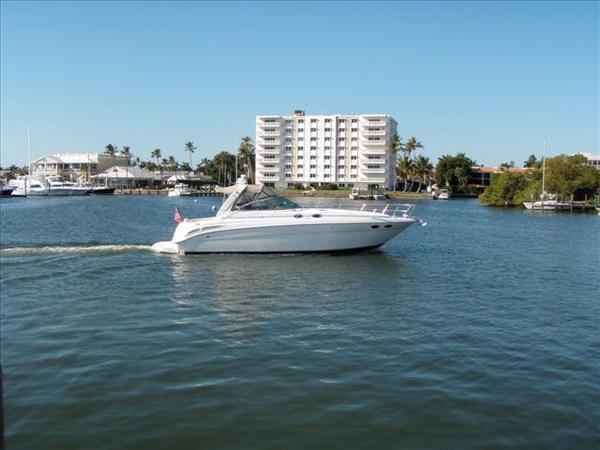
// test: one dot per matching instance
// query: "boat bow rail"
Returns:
(389, 209)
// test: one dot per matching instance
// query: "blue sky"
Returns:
(490, 79)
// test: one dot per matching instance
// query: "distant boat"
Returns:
(102, 190)
(29, 187)
(444, 194)
(181, 190)
(547, 202)
(59, 187)
(547, 205)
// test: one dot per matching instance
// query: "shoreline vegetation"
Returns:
(568, 178)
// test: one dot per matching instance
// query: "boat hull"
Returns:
(288, 238)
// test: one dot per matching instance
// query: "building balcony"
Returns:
(368, 170)
(264, 124)
(367, 132)
(378, 142)
(375, 150)
(270, 133)
(372, 160)
(373, 122)
(263, 142)
(372, 180)
(266, 170)
(263, 160)
(264, 151)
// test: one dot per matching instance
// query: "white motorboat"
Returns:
(547, 205)
(59, 187)
(181, 190)
(29, 187)
(255, 219)
(444, 194)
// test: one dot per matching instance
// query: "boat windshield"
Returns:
(265, 199)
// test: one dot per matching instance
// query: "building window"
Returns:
(341, 139)
(353, 176)
(353, 157)
(300, 166)
(353, 139)
(341, 157)
(327, 167)
(354, 120)
(313, 157)
(327, 130)
(313, 139)
(313, 166)
(313, 120)
(313, 175)
(327, 120)
(313, 130)
(288, 140)
(327, 157)
(340, 167)
(354, 147)
(313, 148)
(300, 149)
(288, 166)
(300, 157)
(288, 148)
(288, 175)
(353, 167)
(354, 130)
(301, 121)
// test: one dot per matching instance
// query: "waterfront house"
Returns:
(481, 176)
(128, 176)
(593, 159)
(74, 166)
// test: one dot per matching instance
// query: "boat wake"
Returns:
(73, 249)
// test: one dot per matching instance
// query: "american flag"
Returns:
(178, 217)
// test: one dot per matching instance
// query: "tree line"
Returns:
(221, 168)
(566, 176)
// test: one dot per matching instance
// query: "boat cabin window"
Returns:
(265, 199)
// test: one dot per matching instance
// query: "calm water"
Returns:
(480, 330)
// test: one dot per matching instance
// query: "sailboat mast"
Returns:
(544, 169)
(28, 149)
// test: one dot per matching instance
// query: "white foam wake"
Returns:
(71, 249)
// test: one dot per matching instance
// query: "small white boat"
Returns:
(181, 190)
(444, 194)
(255, 219)
(547, 205)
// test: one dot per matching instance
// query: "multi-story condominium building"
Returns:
(347, 150)
(74, 165)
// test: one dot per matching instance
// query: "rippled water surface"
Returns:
(480, 330)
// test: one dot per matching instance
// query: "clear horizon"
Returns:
(487, 79)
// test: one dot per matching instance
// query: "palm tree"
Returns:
(127, 154)
(404, 169)
(412, 145)
(110, 150)
(394, 146)
(172, 163)
(423, 170)
(246, 155)
(189, 147)
(156, 154)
